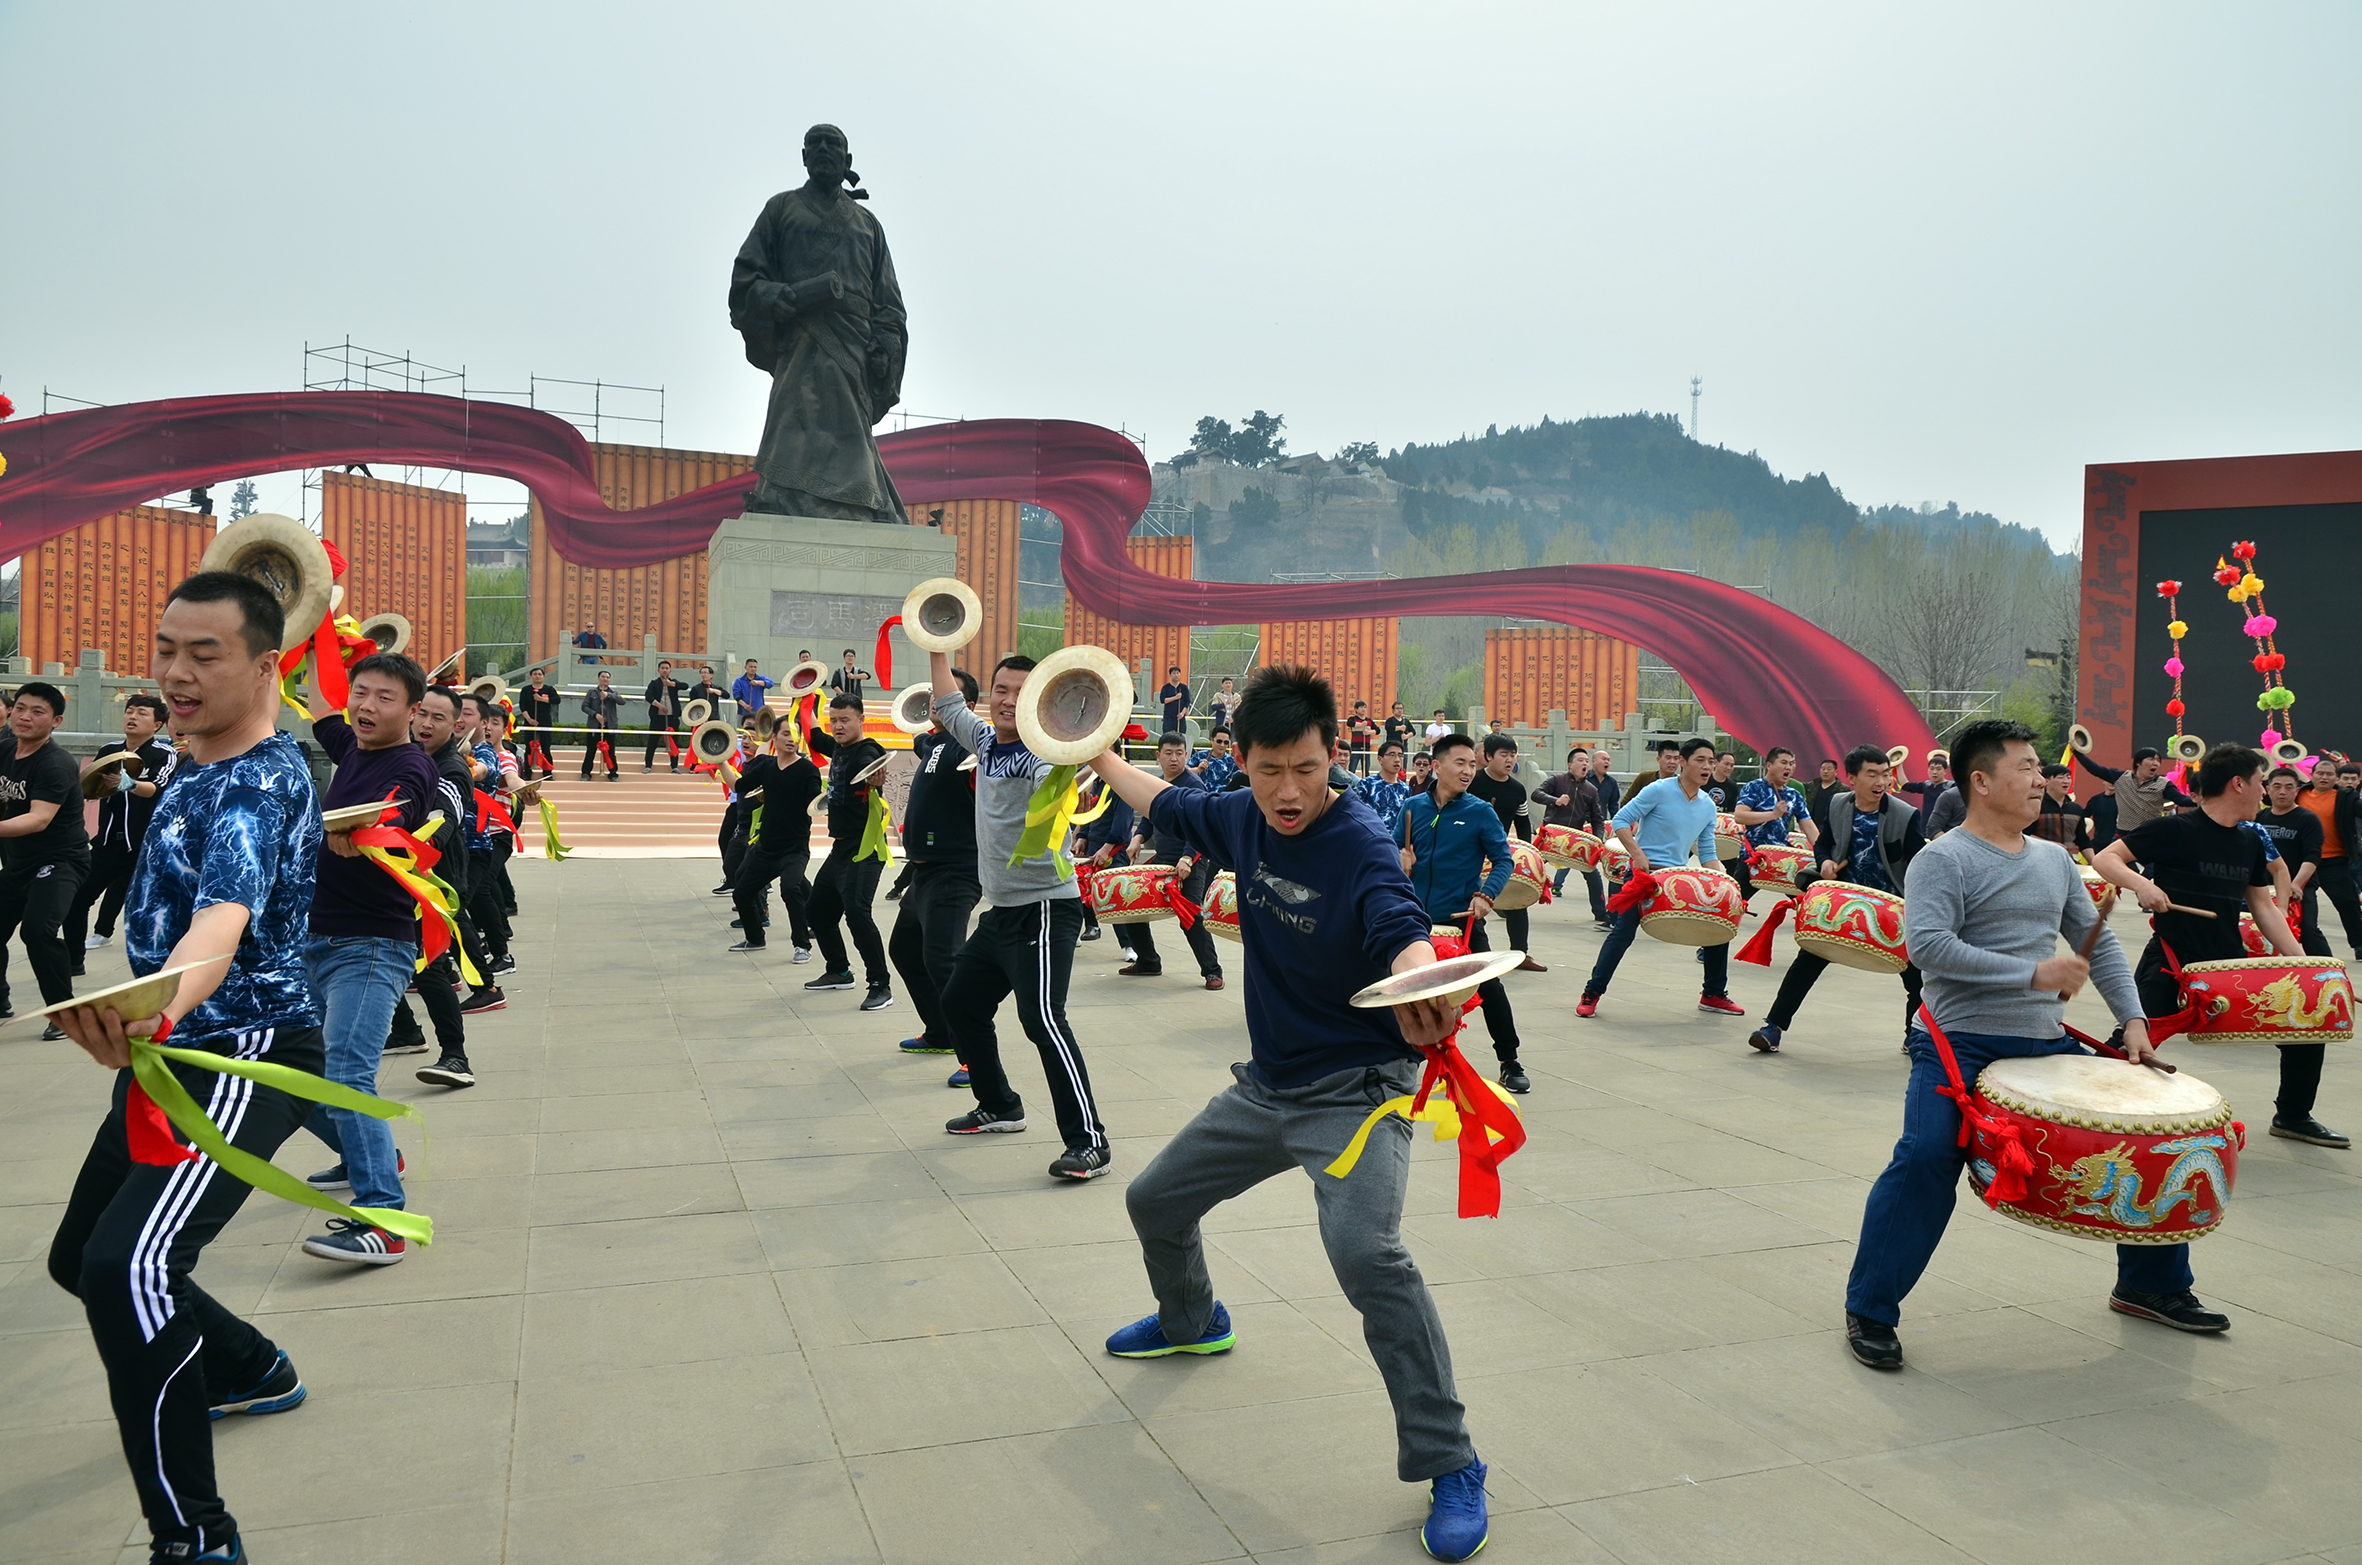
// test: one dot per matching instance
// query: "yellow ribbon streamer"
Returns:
(551, 847)
(156, 1078)
(1440, 1111)
(1049, 816)
(429, 890)
(873, 834)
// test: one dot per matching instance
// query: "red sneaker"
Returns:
(1720, 1005)
(1587, 1006)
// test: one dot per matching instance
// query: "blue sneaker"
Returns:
(1456, 1526)
(1145, 1339)
(920, 1045)
(278, 1391)
(182, 1552)
(958, 1078)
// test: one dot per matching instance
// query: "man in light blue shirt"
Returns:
(1661, 825)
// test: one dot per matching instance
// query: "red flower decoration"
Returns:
(7, 408)
(2260, 663)
(2169, 589)
(2243, 550)
(2275, 661)
(2229, 575)
(2174, 709)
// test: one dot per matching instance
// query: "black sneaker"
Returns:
(1872, 1343)
(1091, 933)
(879, 997)
(1080, 1163)
(449, 1071)
(1514, 1078)
(277, 1391)
(833, 981)
(723, 889)
(504, 964)
(983, 1121)
(337, 1179)
(488, 998)
(52, 1033)
(2310, 1130)
(750, 945)
(740, 923)
(415, 1044)
(2181, 1311)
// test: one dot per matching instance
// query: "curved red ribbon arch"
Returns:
(1770, 677)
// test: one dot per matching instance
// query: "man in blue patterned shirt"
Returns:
(226, 872)
(1772, 805)
(1215, 765)
(1387, 792)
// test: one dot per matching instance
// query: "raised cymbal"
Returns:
(353, 817)
(1454, 980)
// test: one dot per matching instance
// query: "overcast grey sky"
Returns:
(1940, 255)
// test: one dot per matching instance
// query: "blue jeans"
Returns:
(356, 982)
(1912, 1200)
(1619, 941)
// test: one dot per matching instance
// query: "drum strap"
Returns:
(2013, 1163)
(2193, 1008)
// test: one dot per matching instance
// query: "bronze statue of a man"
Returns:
(813, 294)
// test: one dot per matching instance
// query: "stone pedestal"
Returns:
(778, 585)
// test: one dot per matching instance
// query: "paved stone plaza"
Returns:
(714, 1286)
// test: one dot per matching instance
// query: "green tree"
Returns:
(1212, 438)
(1359, 454)
(243, 499)
(1258, 441)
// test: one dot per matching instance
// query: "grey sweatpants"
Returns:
(1245, 1136)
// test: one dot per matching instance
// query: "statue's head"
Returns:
(828, 157)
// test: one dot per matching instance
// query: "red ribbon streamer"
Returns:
(1183, 909)
(2014, 1165)
(1759, 949)
(883, 665)
(146, 1130)
(1482, 1115)
(1634, 892)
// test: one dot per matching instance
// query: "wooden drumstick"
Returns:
(2194, 912)
(2091, 943)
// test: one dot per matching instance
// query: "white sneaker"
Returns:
(95, 941)
(803, 954)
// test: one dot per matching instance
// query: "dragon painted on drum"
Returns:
(1872, 920)
(1770, 676)
(2108, 1184)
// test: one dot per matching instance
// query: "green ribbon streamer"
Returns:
(147, 1065)
(1049, 814)
(873, 835)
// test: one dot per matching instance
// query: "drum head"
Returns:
(2081, 1089)
(1845, 953)
(1517, 895)
(1689, 929)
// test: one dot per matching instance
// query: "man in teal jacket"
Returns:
(1448, 836)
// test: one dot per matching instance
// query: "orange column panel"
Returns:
(405, 552)
(1528, 674)
(1163, 645)
(1358, 656)
(666, 600)
(102, 585)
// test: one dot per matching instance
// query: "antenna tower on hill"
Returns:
(1696, 385)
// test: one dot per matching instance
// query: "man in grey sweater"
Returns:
(1024, 943)
(1985, 908)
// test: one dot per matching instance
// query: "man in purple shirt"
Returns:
(364, 942)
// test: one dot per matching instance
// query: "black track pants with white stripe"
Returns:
(1026, 951)
(126, 1246)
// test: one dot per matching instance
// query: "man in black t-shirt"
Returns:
(1498, 786)
(2296, 832)
(939, 845)
(848, 882)
(537, 715)
(775, 792)
(664, 716)
(122, 825)
(1173, 694)
(44, 848)
(1360, 731)
(2208, 859)
(1397, 728)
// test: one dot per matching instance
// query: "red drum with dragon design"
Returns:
(2110, 1151)
(2270, 999)
(1852, 926)
(1529, 878)
(1221, 909)
(1777, 867)
(1568, 846)
(1692, 907)
(1130, 893)
(1730, 838)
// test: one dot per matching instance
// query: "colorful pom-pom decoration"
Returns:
(2169, 589)
(2178, 629)
(2174, 709)
(2244, 550)
(7, 408)
(2174, 666)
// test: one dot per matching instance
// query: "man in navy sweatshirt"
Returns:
(364, 942)
(1324, 911)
